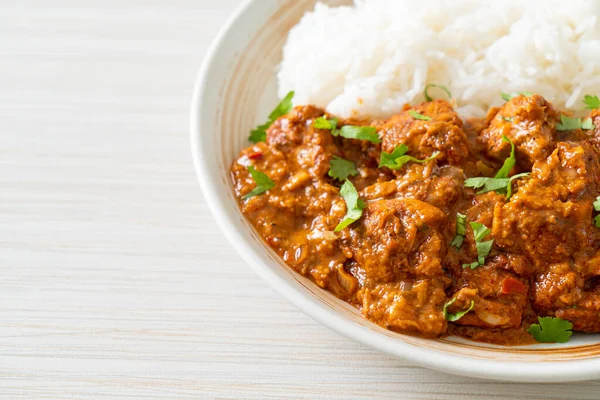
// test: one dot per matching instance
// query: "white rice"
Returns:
(371, 58)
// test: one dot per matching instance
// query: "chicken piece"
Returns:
(529, 122)
(550, 216)
(397, 238)
(409, 306)
(442, 133)
(441, 187)
(499, 297)
(308, 148)
(562, 292)
(365, 156)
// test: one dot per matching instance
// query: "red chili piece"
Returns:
(511, 285)
(254, 156)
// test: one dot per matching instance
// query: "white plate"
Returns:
(235, 90)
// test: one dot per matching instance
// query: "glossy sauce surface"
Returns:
(396, 263)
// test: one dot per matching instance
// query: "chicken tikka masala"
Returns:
(436, 226)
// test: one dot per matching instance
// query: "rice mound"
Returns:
(369, 59)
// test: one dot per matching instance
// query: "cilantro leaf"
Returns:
(323, 123)
(368, 133)
(400, 161)
(458, 315)
(587, 124)
(569, 124)
(398, 157)
(461, 221)
(509, 163)
(500, 183)
(480, 231)
(354, 205)
(389, 159)
(510, 96)
(487, 184)
(472, 265)
(263, 183)
(591, 102)
(597, 208)
(551, 330)
(416, 115)
(511, 179)
(434, 85)
(259, 134)
(348, 131)
(340, 168)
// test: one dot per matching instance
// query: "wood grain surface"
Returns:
(115, 282)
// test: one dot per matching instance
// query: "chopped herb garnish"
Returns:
(461, 222)
(368, 133)
(587, 124)
(480, 231)
(509, 163)
(551, 330)
(397, 158)
(389, 159)
(323, 123)
(263, 183)
(597, 208)
(348, 131)
(591, 102)
(508, 119)
(434, 85)
(416, 115)
(569, 124)
(458, 315)
(501, 183)
(510, 96)
(354, 205)
(259, 134)
(341, 169)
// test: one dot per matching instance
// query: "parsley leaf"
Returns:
(397, 158)
(416, 115)
(263, 183)
(569, 124)
(461, 222)
(434, 85)
(359, 132)
(480, 231)
(510, 96)
(354, 205)
(340, 168)
(591, 102)
(322, 123)
(551, 330)
(389, 159)
(458, 315)
(259, 134)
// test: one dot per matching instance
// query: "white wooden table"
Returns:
(114, 279)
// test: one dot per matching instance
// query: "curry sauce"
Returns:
(398, 262)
